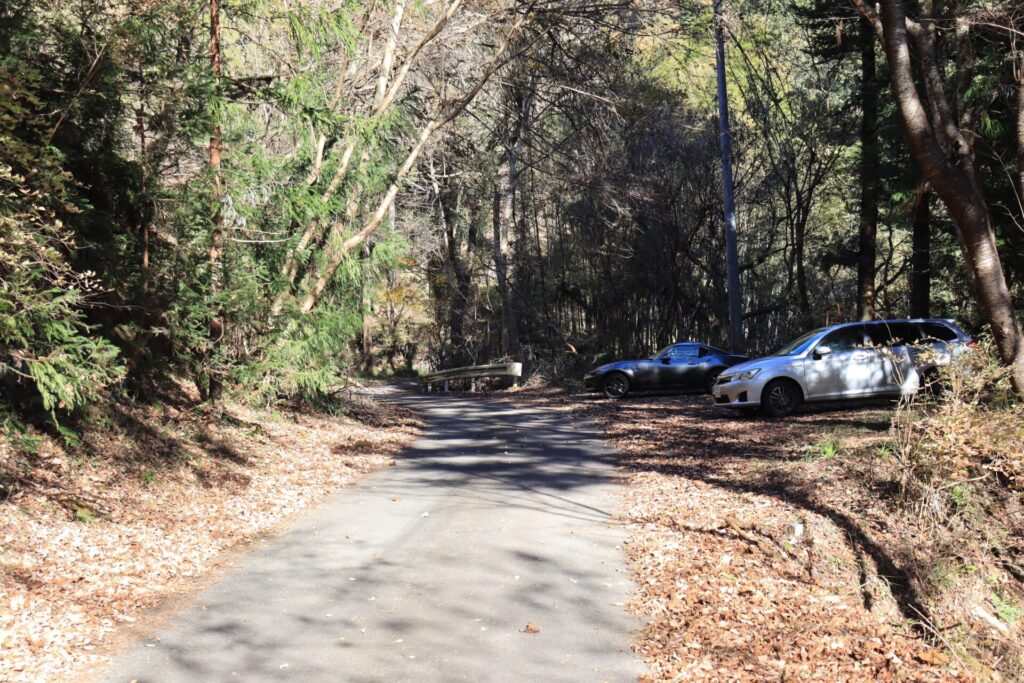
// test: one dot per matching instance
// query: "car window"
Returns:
(683, 351)
(906, 333)
(844, 339)
(660, 353)
(938, 331)
(893, 334)
(880, 334)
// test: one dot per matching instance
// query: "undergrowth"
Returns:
(957, 454)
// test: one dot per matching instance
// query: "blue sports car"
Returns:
(685, 365)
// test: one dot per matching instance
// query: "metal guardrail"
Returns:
(472, 373)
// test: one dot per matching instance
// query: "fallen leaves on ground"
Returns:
(758, 555)
(176, 489)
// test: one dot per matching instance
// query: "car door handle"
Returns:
(861, 356)
(693, 362)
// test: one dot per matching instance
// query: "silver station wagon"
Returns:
(848, 361)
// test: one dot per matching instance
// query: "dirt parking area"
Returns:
(767, 550)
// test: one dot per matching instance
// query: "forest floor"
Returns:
(91, 537)
(768, 550)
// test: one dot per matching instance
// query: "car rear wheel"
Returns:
(616, 385)
(780, 397)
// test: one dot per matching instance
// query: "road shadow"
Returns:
(690, 437)
(512, 456)
(497, 515)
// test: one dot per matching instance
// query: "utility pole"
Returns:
(725, 145)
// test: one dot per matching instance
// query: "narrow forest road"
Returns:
(429, 571)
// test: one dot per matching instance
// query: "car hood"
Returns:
(623, 364)
(763, 363)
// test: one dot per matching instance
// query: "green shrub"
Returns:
(47, 351)
(305, 362)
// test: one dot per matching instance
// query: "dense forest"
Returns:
(270, 196)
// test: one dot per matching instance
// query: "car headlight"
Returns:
(746, 374)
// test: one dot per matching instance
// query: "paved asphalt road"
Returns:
(429, 571)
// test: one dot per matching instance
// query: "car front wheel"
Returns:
(616, 385)
(711, 379)
(780, 397)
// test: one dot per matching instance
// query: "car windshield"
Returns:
(800, 344)
(660, 352)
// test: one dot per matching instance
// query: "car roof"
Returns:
(949, 322)
(696, 343)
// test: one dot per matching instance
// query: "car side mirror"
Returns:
(665, 360)
(822, 351)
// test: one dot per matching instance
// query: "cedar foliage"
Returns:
(50, 356)
(105, 113)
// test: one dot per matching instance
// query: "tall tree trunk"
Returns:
(367, 341)
(1020, 128)
(803, 296)
(503, 206)
(921, 257)
(868, 175)
(956, 183)
(388, 58)
(145, 210)
(216, 330)
(458, 293)
(504, 218)
(5, 36)
(367, 305)
(464, 278)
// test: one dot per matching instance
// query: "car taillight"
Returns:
(972, 343)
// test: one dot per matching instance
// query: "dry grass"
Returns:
(960, 465)
(972, 433)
